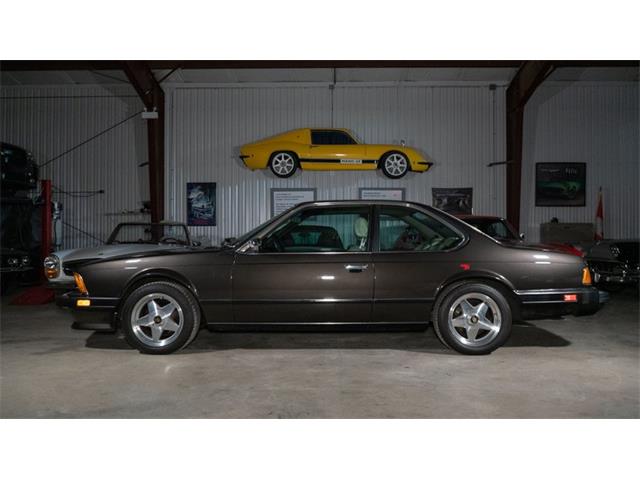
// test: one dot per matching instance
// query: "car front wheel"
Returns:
(394, 165)
(160, 317)
(472, 318)
(283, 164)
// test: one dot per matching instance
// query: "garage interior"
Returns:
(484, 125)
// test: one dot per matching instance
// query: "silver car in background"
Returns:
(127, 238)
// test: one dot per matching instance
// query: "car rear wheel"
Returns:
(394, 164)
(283, 164)
(160, 318)
(472, 318)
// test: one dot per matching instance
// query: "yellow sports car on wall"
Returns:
(329, 149)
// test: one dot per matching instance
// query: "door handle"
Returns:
(356, 268)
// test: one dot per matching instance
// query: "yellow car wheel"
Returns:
(283, 164)
(394, 164)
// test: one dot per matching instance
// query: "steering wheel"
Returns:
(170, 240)
(277, 244)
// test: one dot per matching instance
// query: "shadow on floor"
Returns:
(524, 334)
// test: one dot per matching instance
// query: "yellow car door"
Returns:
(335, 150)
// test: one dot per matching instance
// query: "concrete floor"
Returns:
(573, 367)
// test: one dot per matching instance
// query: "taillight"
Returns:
(586, 276)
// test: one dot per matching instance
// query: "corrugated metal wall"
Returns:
(50, 120)
(596, 123)
(460, 128)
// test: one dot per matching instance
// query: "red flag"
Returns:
(599, 233)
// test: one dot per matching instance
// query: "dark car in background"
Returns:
(341, 263)
(15, 265)
(614, 263)
(500, 229)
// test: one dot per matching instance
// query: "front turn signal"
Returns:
(80, 283)
(586, 276)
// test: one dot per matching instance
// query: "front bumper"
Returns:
(614, 272)
(99, 315)
(565, 301)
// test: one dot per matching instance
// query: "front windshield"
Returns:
(147, 233)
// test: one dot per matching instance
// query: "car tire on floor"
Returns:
(472, 318)
(160, 317)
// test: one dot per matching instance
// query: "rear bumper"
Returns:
(549, 302)
(100, 315)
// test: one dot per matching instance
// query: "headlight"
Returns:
(52, 266)
(12, 262)
(25, 260)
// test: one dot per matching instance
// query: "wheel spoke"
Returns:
(459, 322)
(484, 324)
(472, 332)
(466, 307)
(167, 310)
(481, 310)
(170, 325)
(144, 321)
(152, 306)
(156, 332)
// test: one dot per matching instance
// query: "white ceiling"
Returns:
(249, 75)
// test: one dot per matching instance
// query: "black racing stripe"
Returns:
(333, 160)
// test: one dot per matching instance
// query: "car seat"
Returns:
(361, 230)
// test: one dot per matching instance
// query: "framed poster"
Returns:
(201, 204)
(456, 201)
(285, 198)
(561, 184)
(381, 193)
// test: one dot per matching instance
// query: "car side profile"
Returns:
(329, 149)
(333, 263)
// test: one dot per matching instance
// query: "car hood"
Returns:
(104, 252)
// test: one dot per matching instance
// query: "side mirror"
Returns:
(521, 236)
(228, 242)
(252, 246)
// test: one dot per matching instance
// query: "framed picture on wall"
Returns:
(561, 184)
(284, 198)
(456, 201)
(201, 204)
(381, 193)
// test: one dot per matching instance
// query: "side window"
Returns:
(331, 137)
(403, 229)
(321, 230)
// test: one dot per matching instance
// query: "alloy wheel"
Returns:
(157, 319)
(395, 164)
(474, 319)
(283, 164)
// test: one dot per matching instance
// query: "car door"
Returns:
(334, 150)
(312, 268)
(413, 255)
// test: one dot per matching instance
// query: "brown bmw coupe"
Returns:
(333, 263)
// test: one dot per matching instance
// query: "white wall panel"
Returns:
(460, 128)
(50, 120)
(596, 123)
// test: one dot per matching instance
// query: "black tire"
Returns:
(454, 338)
(187, 315)
(277, 157)
(390, 170)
